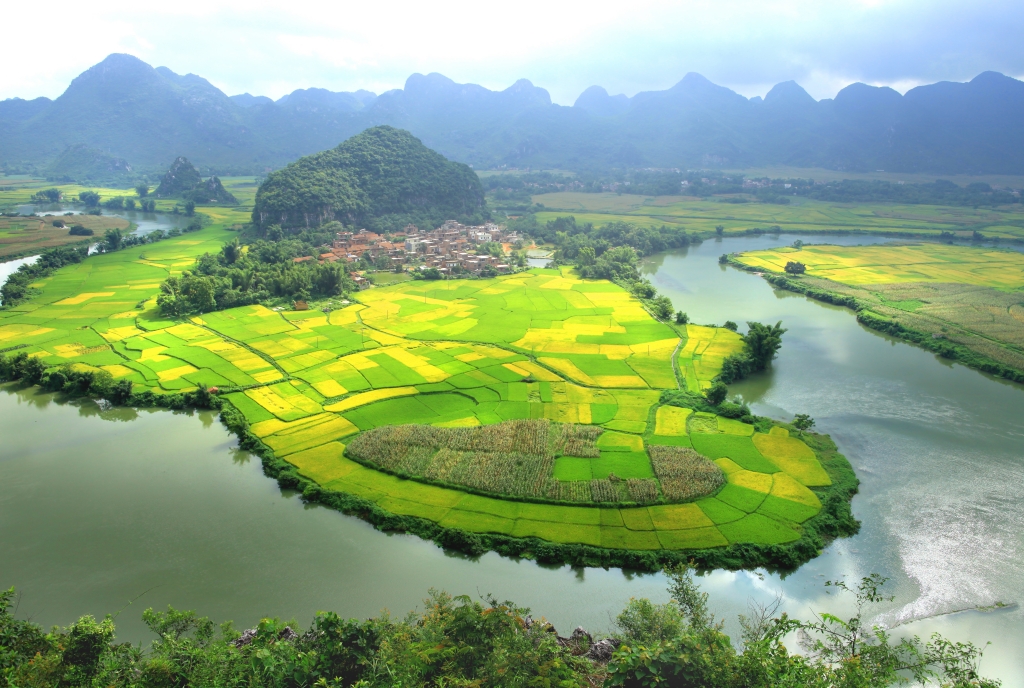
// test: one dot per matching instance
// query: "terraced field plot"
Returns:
(540, 346)
(802, 215)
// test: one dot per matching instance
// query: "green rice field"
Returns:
(540, 346)
(801, 215)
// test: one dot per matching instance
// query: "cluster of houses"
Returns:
(452, 247)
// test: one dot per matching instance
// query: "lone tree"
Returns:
(90, 198)
(716, 393)
(142, 190)
(763, 342)
(794, 267)
(802, 421)
(682, 318)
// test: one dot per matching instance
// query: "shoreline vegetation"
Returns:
(456, 640)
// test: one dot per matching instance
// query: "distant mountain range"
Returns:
(144, 118)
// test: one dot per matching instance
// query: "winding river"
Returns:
(111, 509)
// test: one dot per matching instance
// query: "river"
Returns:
(116, 505)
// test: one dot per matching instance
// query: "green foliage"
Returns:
(236, 277)
(763, 343)
(455, 641)
(794, 267)
(47, 196)
(716, 393)
(802, 421)
(383, 179)
(91, 199)
(572, 238)
(682, 318)
(79, 230)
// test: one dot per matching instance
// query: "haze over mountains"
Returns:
(146, 117)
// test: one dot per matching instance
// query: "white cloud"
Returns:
(272, 48)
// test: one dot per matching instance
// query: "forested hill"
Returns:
(146, 116)
(383, 178)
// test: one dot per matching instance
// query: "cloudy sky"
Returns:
(272, 48)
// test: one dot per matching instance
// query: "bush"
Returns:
(716, 393)
(79, 230)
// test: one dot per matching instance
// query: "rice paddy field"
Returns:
(972, 296)
(801, 215)
(540, 347)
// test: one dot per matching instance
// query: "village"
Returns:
(452, 248)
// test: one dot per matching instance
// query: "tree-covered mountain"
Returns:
(182, 180)
(147, 116)
(382, 178)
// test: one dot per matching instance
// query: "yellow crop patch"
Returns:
(117, 370)
(175, 373)
(729, 466)
(467, 422)
(364, 398)
(82, 298)
(8, 332)
(266, 376)
(888, 264)
(153, 354)
(329, 388)
(678, 517)
(567, 368)
(619, 381)
(116, 334)
(787, 487)
(794, 457)
(759, 482)
(671, 421)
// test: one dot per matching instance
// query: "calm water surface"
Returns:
(101, 507)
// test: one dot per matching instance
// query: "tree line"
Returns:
(459, 641)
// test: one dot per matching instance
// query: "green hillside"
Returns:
(381, 178)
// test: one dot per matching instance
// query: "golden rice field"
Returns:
(540, 345)
(889, 264)
(967, 295)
